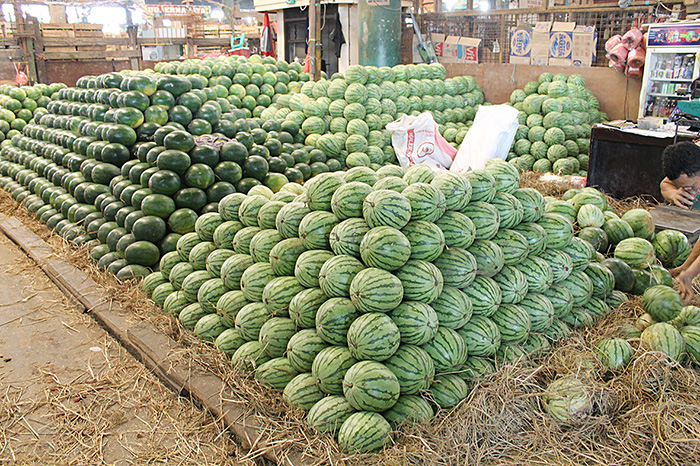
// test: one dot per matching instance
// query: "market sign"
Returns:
(674, 34)
(179, 10)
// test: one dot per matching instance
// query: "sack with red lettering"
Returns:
(417, 140)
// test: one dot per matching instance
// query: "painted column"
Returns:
(379, 32)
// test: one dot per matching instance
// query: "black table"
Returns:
(626, 164)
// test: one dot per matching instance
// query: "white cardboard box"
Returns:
(539, 54)
(520, 46)
(561, 38)
(584, 45)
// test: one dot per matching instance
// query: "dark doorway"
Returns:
(296, 22)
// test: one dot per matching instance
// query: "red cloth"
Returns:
(267, 46)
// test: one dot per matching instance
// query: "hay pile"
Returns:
(648, 414)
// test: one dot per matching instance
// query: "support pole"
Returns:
(380, 32)
(314, 37)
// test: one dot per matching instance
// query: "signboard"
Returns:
(179, 10)
(678, 35)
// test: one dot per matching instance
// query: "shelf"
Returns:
(655, 94)
(667, 80)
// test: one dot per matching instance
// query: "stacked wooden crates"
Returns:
(69, 31)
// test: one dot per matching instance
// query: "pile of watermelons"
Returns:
(556, 115)
(18, 106)
(374, 298)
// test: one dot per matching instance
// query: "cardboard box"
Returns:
(561, 38)
(539, 53)
(584, 45)
(530, 3)
(457, 49)
(520, 46)
(438, 41)
(450, 49)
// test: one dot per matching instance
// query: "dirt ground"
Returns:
(72, 395)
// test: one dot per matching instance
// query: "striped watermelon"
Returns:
(448, 390)
(210, 292)
(671, 248)
(643, 279)
(636, 252)
(348, 198)
(373, 336)
(302, 349)
(267, 215)
(337, 274)
(278, 293)
(248, 210)
(364, 432)
(558, 330)
(232, 270)
(385, 248)
(209, 327)
(483, 185)
(559, 230)
(385, 207)
(458, 229)
(510, 353)
(289, 218)
(254, 279)
(561, 263)
(276, 373)
(262, 243)
(691, 337)
(161, 292)
(422, 281)
(510, 210)
(416, 321)
(320, 189)
(249, 356)
(506, 175)
(580, 252)
(641, 221)
(329, 368)
(216, 260)
(360, 175)
(346, 237)
(192, 283)
(617, 230)
(485, 295)
(419, 173)
(302, 392)
(224, 233)
(284, 256)
(229, 341)
(513, 322)
(427, 202)
(616, 299)
(663, 303)
(453, 308)
(481, 336)
(371, 386)
(241, 240)
(664, 338)
(329, 413)
(512, 283)
(458, 267)
(488, 256)
(333, 319)
(175, 303)
(514, 246)
(579, 317)
(540, 310)
(485, 217)
(590, 215)
(602, 278)
(565, 209)
(580, 286)
(315, 229)
(476, 367)
(413, 368)
(250, 320)
(185, 244)
(409, 409)
(623, 273)
(455, 188)
(179, 272)
(535, 235)
(393, 183)
(199, 254)
(537, 345)
(229, 205)
(206, 224)
(561, 298)
(376, 290)
(690, 315)
(153, 280)
(532, 202)
(447, 348)
(426, 238)
(596, 237)
(597, 307)
(538, 273)
(308, 266)
(275, 334)
(229, 304)
(304, 306)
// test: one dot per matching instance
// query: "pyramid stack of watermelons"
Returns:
(374, 298)
(18, 106)
(556, 115)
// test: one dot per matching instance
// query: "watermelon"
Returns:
(614, 353)
(262, 243)
(488, 256)
(337, 274)
(254, 279)
(458, 230)
(664, 338)
(329, 368)
(329, 413)
(476, 367)
(333, 319)
(409, 409)
(275, 334)
(276, 373)
(662, 303)
(376, 290)
(538, 273)
(427, 202)
(485, 217)
(481, 336)
(506, 176)
(308, 266)
(671, 248)
(373, 336)
(580, 252)
(347, 200)
(364, 432)
(510, 209)
(232, 270)
(209, 327)
(540, 309)
(617, 230)
(422, 281)
(455, 188)
(448, 390)
(514, 246)
(602, 278)
(427, 240)
(483, 185)
(210, 292)
(284, 256)
(345, 238)
(371, 386)
(249, 356)
(535, 235)
(315, 229)
(302, 348)
(302, 392)
(513, 284)
(559, 230)
(636, 252)
(386, 208)
(447, 349)
(624, 276)
(691, 337)
(304, 306)
(416, 321)
(641, 222)
(385, 248)
(513, 323)
(289, 217)
(690, 315)
(458, 267)
(559, 261)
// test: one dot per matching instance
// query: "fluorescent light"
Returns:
(217, 13)
(167, 23)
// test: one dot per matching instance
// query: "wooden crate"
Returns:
(71, 30)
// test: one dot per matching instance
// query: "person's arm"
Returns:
(685, 280)
(694, 254)
(677, 196)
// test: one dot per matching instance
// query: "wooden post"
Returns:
(314, 34)
(190, 47)
(31, 57)
(38, 57)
